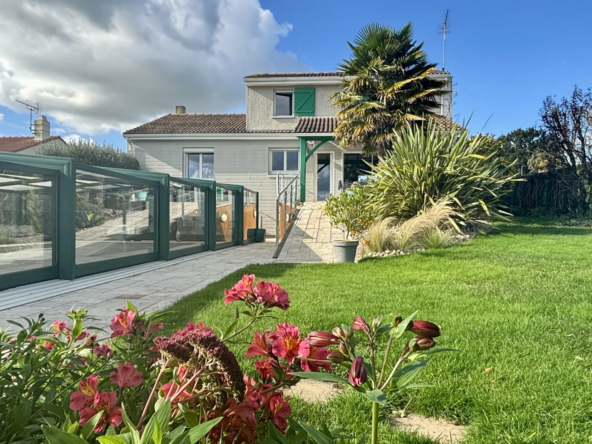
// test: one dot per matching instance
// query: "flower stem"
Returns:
(386, 355)
(375, 412)
(160, 373)
(238, 332)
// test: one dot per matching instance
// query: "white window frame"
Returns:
(284, 171)
(199, 152)
(283, 91)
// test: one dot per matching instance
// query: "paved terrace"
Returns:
(156, 285)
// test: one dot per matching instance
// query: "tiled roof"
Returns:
(316, 125)
(16, 144)
(295, 74)
(444, 123)
(194, 124)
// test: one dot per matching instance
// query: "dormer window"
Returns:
(283, 104)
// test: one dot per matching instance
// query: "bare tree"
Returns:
(568, 123)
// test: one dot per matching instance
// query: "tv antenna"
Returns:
(31, 108)
(444, 30)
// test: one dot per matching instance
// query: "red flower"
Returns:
(125, 376)
(425, 329)
(173, 392)
(87, 395)
(261, 346)
(105, 402)
(360, 324)
(123, 323)
(314, 360)
(241, 290)
(102, 351)
(280, 410)
(321, 339)
(287, 343)
(357, 373)
(265, 368)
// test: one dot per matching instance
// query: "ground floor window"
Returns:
(284, 161)
(200, 165)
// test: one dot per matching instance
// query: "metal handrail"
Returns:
(287, 196)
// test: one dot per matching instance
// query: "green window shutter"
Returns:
(304, 101)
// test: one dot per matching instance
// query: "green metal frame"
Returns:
(306, 154)
(64, 261)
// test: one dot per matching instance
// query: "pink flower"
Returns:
(321, 339)
(102, 351)
(261, 346)
(59, 326)
(201, 326)
(314, 360)
(123, 323)
(87, 395)
(361, 324)
(125, 376)
(265, 368)
(241, 291)
(287, 343)
(153, 328)
(173, 392)
(357, 373)
(280, 410)
(105, 402)
(272, 295)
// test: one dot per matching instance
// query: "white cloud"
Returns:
(1, 117)
(101, 65)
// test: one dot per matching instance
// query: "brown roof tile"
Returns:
(16, 144)
(294, 74)
(316, 125)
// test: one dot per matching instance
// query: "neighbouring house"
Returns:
(30, 144)
(287, 130)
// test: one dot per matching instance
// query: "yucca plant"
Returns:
(427, 165)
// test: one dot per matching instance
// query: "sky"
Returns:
(100, 68)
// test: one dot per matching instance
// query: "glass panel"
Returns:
(193, 166)
(277, 160)
(283, 104)
(114, 218)
(323, 176)
(225, 219)
(27, 221)
(250, 212)
(292, 160)
(207, 166)
(188, 217)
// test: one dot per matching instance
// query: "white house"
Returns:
(287, 130)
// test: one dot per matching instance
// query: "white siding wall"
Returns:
(240, 162)
(260, 107)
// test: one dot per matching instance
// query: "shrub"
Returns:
(90, 153)
(437, 238)
(350, 211)
(427, 165)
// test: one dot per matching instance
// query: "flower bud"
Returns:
(343, 349)
(376, 323)
(321, 339)
(413, 345)
(397, 320)
(425, 343)
(336, 357)
(425, 329)
(360, 324)
(337, 331)
(357, 373)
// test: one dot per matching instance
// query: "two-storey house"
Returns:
(287, 130)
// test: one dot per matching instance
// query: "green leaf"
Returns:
(198, 432)
(135, 436)
(317, 436)
(56, 436)
(171, 436)
(157, 436)
(132, 307)
(277, 435)
(328, 377)
(384, 329)
(398, 331)
(405, 375)
(416, 386)
(422, 354)
(91, 424)
(160, 418)
(230, 328)
(376, 396)
(111, 439)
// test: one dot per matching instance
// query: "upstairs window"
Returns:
(283, 104)
(283, 161)
(200, 165)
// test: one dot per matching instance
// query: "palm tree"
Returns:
(385, 87)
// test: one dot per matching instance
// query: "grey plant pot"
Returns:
(345, 251)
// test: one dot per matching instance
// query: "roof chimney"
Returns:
(180, 110)
(41, 128)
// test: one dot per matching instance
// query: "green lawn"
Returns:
(518, 301)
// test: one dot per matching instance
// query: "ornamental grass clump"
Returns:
(428, 165)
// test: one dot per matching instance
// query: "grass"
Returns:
(516, 302)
